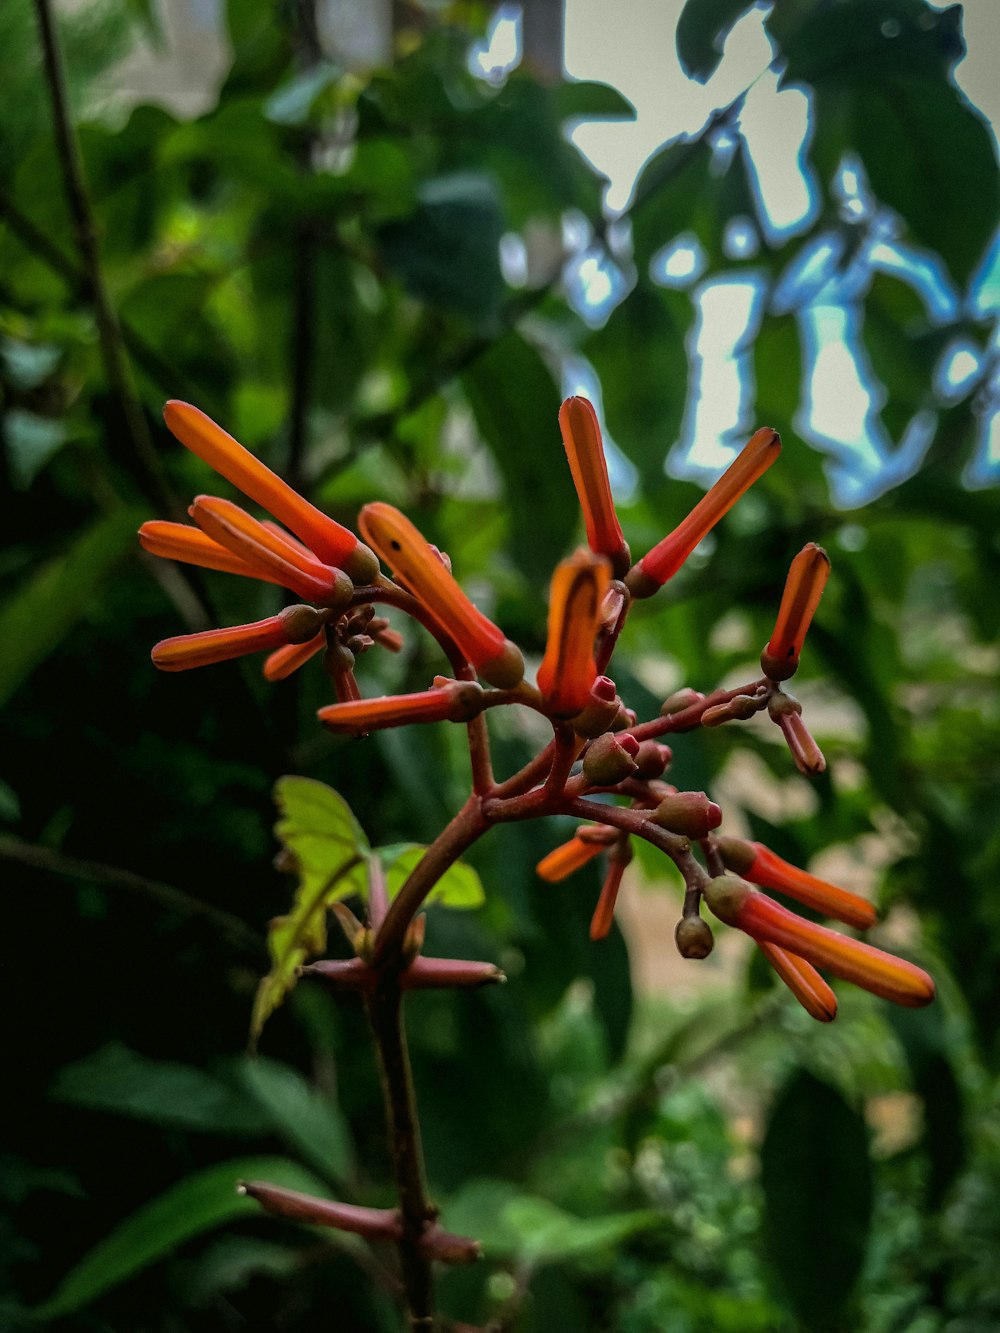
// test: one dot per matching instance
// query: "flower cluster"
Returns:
(603, 766)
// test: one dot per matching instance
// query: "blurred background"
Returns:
(379, 243)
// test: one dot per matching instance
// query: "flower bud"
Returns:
(610, 759)
(741, 706)
(652, 760)
(679, 701)
(601, 710)
(689, 813)
(693, 937)
(803, 588)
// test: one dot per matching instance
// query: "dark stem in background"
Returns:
(113, 354)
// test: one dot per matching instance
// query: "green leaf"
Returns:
(817, 1180)
(591, 101)
(42, 612)
(31, 442)
(293, 102)
(304, 1116)
(196, 1205)
(448, 251)
(459, 886)
(118, 1080)
(329, 849)
(516, 404)
(701, 32)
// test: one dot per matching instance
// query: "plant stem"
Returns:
(385, 1014)
(468, 825)
(113, 354)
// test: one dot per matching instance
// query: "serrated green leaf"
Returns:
(42, 612)
(459, 886)
(329, 849)
(196, 1205)
(817, 1179)
(304, 1116)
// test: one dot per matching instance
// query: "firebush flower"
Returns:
(422, 570)
(333, 544)
(191, 546)
(448, 701)
(581, 435)
(567, 858)
(294, 625)
(568, 671)
(738, 904)
(758, 864)
(802, 979)
(804, 586)
(666, 558)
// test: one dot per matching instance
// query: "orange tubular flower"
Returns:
(805, 983)
(666, 558)
(334, 545)
(568, 670)
(176, 541)
(738, 904)
(760, 865)
(231, 527)
(296, 624)
(413, 558)
(281, 663)
(804, 586)
(566, 859)
(584, 447)
(604, 912)
(451, 701)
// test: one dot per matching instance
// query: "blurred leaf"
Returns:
(305, 1117)
(36, 619)
(329, 849)
(197, 1204)
(459, 886)
(118, 1080)
(701, 32)
(292, 103)
(591, 101)
(32, 441)
(516, 405)
(27, 365)
(817, 1180)
(448, 252)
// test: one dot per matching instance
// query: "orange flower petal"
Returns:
(738, 904)
(760, 865)
(802, 979)
(666, 558)
(581, 434)
(281, 663)
(417, 564)
(804, 586)
(454, 701)
(604, 912)
(335, 545)
(568, 670)
(567, 858)
(219, 645)
(296, 568)
(177, 541)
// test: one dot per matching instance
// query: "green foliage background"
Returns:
(314, 261)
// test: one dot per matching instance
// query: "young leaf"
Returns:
(196, 1205)
(459, 886)
(329, 849)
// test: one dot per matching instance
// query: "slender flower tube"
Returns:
(738, 904)
(760, 865)
(296, 624)
(413, 558)
(334, 544)
(804, 586)
(566, 859)
(802, 979)
(177, 541)
(284, 661)
(568, 671)
(584, 447)
(604, 912)
(809, 758)
(233, 528)
(451, 701)
(666, 558)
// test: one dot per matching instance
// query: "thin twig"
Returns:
(164, 895)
